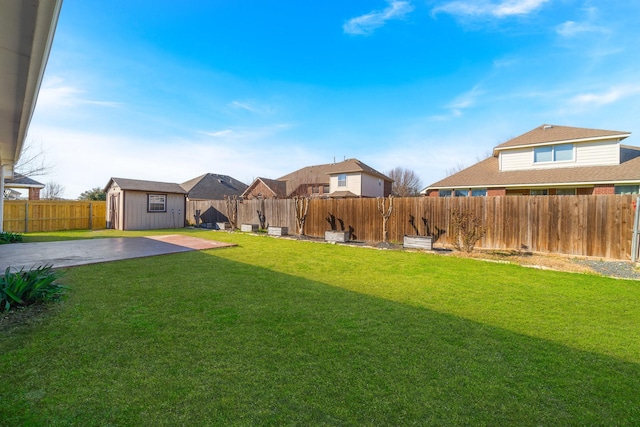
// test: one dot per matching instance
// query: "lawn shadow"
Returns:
(221, 341)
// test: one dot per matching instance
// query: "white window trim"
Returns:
(164, 202)
(553, 155)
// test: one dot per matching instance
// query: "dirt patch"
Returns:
(26, 316)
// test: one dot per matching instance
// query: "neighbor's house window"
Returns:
(444, 193)
(461, 193)
(342, 180)
(325, 189)
(553, 153)
(538, 192)
(479, 192)
(315, 189)
(626, 189)
(565, 191)
(157, 203)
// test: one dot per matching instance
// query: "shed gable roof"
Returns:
(141, 185)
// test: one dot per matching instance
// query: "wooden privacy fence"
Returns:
(597, 225)
(23, 216)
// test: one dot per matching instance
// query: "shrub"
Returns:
(467, 230)
(6, 237)
(23, 288)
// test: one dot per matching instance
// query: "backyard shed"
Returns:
(134, 204)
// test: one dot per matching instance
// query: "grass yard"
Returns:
(282, 332)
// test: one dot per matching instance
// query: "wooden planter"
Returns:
(418, 242)
(277, 231)
(249, 227)
(223, 226)
(337, 236)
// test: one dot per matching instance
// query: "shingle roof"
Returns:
(212, 186)
(278, 188)
(320, 174)
(140, 185)
(545, 134)
(486, 174)
(21, 181)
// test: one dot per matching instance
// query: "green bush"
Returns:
(22, 288)
(6, 237)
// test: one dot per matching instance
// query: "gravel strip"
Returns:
(618, 269)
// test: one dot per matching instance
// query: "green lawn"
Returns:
(280, 332)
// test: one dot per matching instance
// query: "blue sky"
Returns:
(165, 90)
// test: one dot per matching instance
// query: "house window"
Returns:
(565, 191)
(342, 180)
(479, 192)
(538, 192)
(315, 189)
(553, 153)
(157, 203)
(444, 193)
(325, 189)
(626, 189)
(461, 193)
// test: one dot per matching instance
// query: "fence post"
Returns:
(636, 232)
(90, 216)
(26, 217)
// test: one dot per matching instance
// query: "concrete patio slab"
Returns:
(80, 252)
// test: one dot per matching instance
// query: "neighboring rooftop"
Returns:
(546, 134)
(211, 186)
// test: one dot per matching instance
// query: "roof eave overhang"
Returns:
(536, 185)
(26, 36)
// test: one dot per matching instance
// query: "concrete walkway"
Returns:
(79, 252)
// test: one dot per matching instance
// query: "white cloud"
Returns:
(54, 94)
(366, 24)
(484, 8)
(610, 96)
(459, 104)
(571, 29)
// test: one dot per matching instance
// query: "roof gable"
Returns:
(213, 187)
(321, 174)
(141, 185)
(277, 188)
(546, 134)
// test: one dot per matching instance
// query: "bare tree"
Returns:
(406, 183)
(231, 203)
(52, 191)
(32, 161)
(302, 206)
(455, 169)
(385, 211)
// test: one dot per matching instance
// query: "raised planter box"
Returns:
(337, 236)
(249, 227)
(223, 226)
(277, 231)
(418, 242)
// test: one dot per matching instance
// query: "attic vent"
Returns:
(546, 127)
(220, 181)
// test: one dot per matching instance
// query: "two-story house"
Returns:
(349, 178)
(550, 160)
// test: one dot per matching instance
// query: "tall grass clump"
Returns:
(26, 287)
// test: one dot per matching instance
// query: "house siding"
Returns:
(372, 186)
(136, 216)
(595, 153)
(354, 183)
